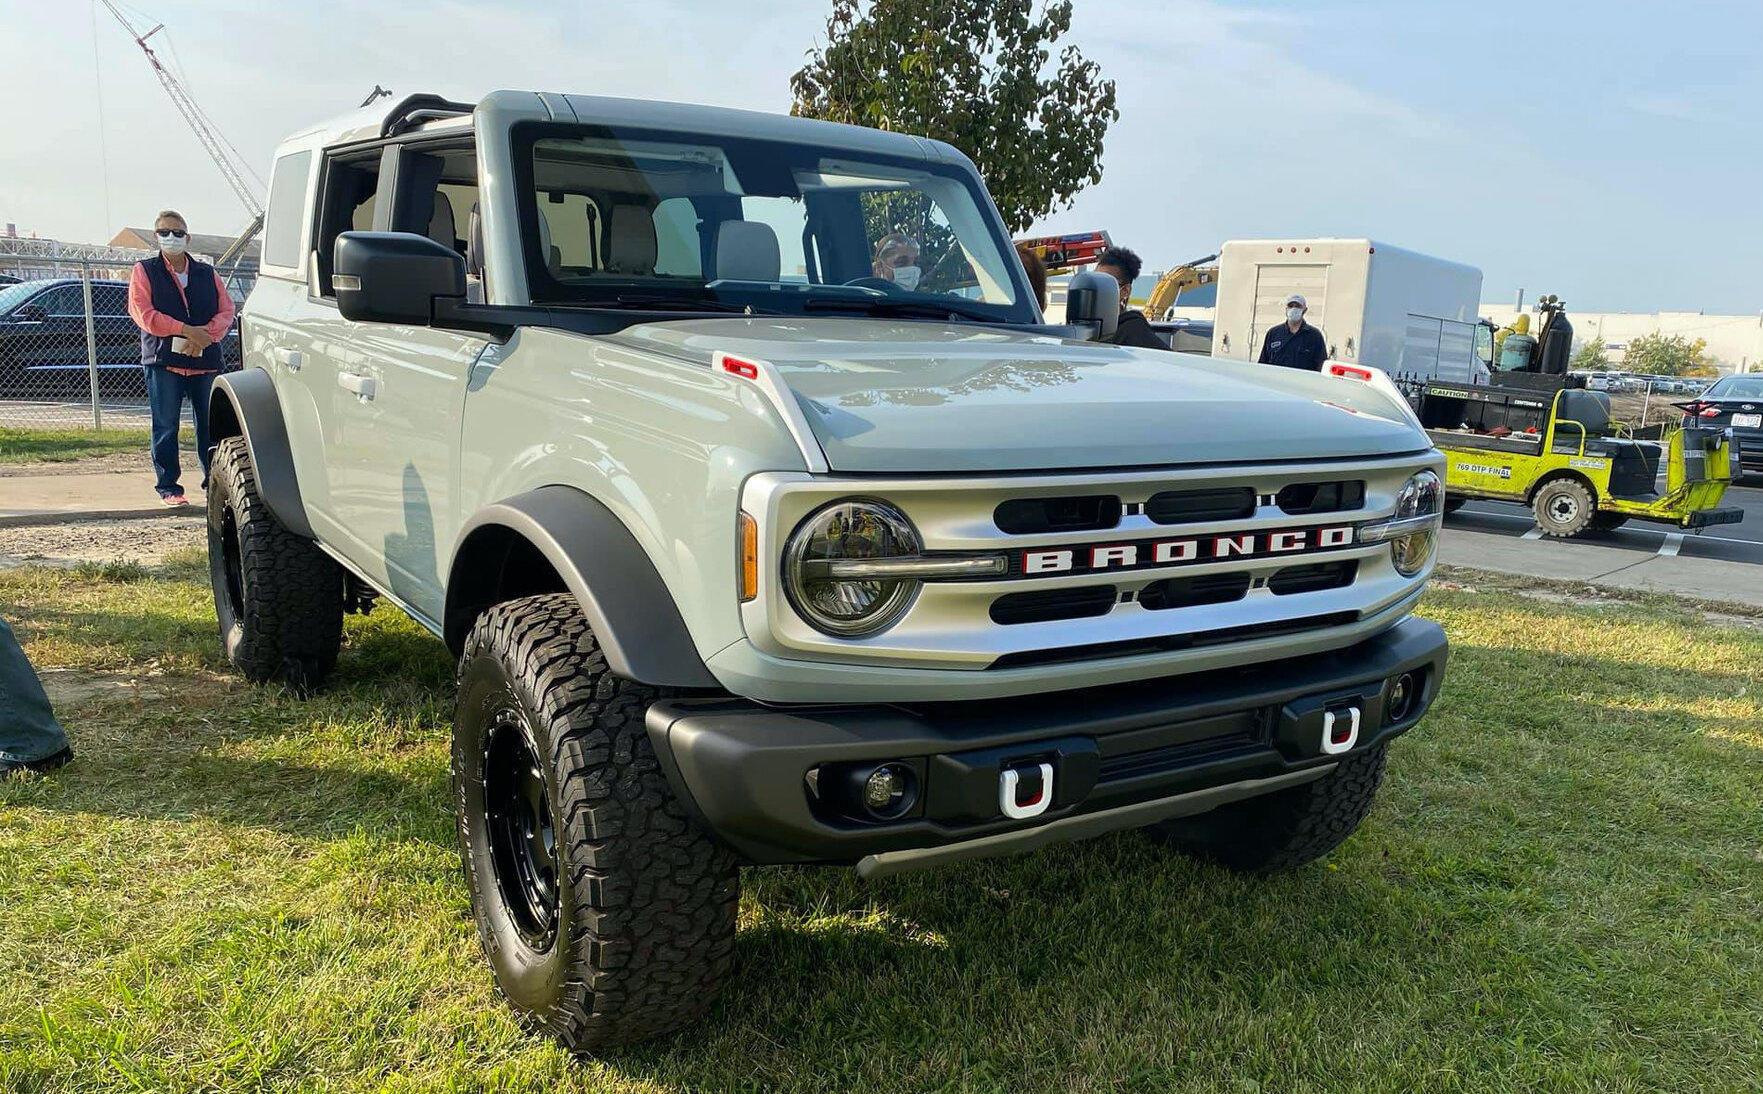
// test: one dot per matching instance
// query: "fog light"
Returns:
(1401, 700)
(885, 788)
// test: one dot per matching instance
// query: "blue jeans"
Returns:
(166, 392)
(28, 729)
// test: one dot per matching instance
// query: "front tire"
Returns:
(1284, 829)
(278, 598)
(607, 914)
(1564, 508)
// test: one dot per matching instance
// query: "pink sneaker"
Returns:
(174, 500)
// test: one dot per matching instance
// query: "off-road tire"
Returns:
(1564, 508)
(642, 928)
(279, 599)
(1286, 828)
(1608, 522)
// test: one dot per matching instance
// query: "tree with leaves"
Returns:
(1592, 357)
(1667, 355)
(978, 74)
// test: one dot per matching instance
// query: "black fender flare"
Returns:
(633, 615)
(245, 404)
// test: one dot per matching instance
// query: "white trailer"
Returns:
(1413, 316)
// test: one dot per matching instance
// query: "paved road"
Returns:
(1742, 542)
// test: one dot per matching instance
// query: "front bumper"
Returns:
(1121, 755)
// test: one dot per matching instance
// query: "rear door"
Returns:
(1274, 285)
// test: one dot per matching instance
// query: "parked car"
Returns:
(754, 552)
(8, 279)
(1737, 403)
(43, 351)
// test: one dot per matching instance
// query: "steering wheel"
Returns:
(878, 284)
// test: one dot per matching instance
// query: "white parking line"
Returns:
(1673, 541)
(1534, 533)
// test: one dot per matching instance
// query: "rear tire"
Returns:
(1564, 508)
(1286, 828)
(279, 599)
(607, 914)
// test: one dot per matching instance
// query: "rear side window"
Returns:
(287, 199)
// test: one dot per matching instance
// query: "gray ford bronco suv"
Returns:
(771, 522)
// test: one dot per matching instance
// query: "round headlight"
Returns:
(1421, 496)
(848, 531)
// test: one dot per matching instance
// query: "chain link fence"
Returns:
(70, 356)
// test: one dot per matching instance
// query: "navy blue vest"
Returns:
(204, 303)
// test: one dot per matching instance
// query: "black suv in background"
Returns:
(43, 341)
(1737, 403)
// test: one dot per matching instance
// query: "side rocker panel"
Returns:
(628, 606)
(245, 403)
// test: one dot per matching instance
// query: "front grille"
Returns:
(1194, 506)
(1188, 592)
(1322, 497)
(1030, 516)
(1166, 643)
(1050, 604)
(1314, 578)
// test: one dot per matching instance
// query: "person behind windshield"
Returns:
(1133, 329)
(896, 260)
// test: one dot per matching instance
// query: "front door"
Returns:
(398, 402)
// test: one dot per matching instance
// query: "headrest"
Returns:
(746, 250)
(441, 227)
(631, 248)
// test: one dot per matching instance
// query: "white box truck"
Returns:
(1414, 316)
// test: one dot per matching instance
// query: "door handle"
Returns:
(290, 359)
(362, 386)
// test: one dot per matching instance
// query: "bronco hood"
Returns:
(898, 397)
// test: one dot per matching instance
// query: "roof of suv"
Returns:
(501, 108)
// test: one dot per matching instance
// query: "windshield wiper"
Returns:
(682, 303)
(876, 305)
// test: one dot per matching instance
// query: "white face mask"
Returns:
(172, 245)
(906, 277)
(1293, 315)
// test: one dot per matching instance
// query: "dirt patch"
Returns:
(74, 687)
(1581, 595)
(148, 542)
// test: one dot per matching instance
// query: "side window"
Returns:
(62, 300)
(349, 189)
(110, 300)
(287, 198)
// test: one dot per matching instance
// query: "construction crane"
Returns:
(212, 142)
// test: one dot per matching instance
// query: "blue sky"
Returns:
(1606, 152)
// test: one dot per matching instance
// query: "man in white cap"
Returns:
(1294, 343)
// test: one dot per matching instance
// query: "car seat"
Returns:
(631, 247)
(746, 250)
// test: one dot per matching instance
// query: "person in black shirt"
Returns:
(1134, 329)
(1295, 343)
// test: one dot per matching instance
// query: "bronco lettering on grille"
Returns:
(1154, 553)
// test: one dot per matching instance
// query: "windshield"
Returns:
(13, 295)
(626, 218)
(1737, 387)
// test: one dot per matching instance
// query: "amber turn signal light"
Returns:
(749, 558)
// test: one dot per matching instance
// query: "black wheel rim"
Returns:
(517, 820)
(232, 570)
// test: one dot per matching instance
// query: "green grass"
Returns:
(1561, 888)
(56, 445)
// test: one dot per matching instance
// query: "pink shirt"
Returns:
(158, 323)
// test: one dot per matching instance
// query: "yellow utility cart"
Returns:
(1558, 452)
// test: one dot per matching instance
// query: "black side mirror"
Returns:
(30, 313)
(394, 277)
(1092, 300)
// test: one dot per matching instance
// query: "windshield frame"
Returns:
(543, 290)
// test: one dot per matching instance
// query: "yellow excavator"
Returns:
(1184, 278)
